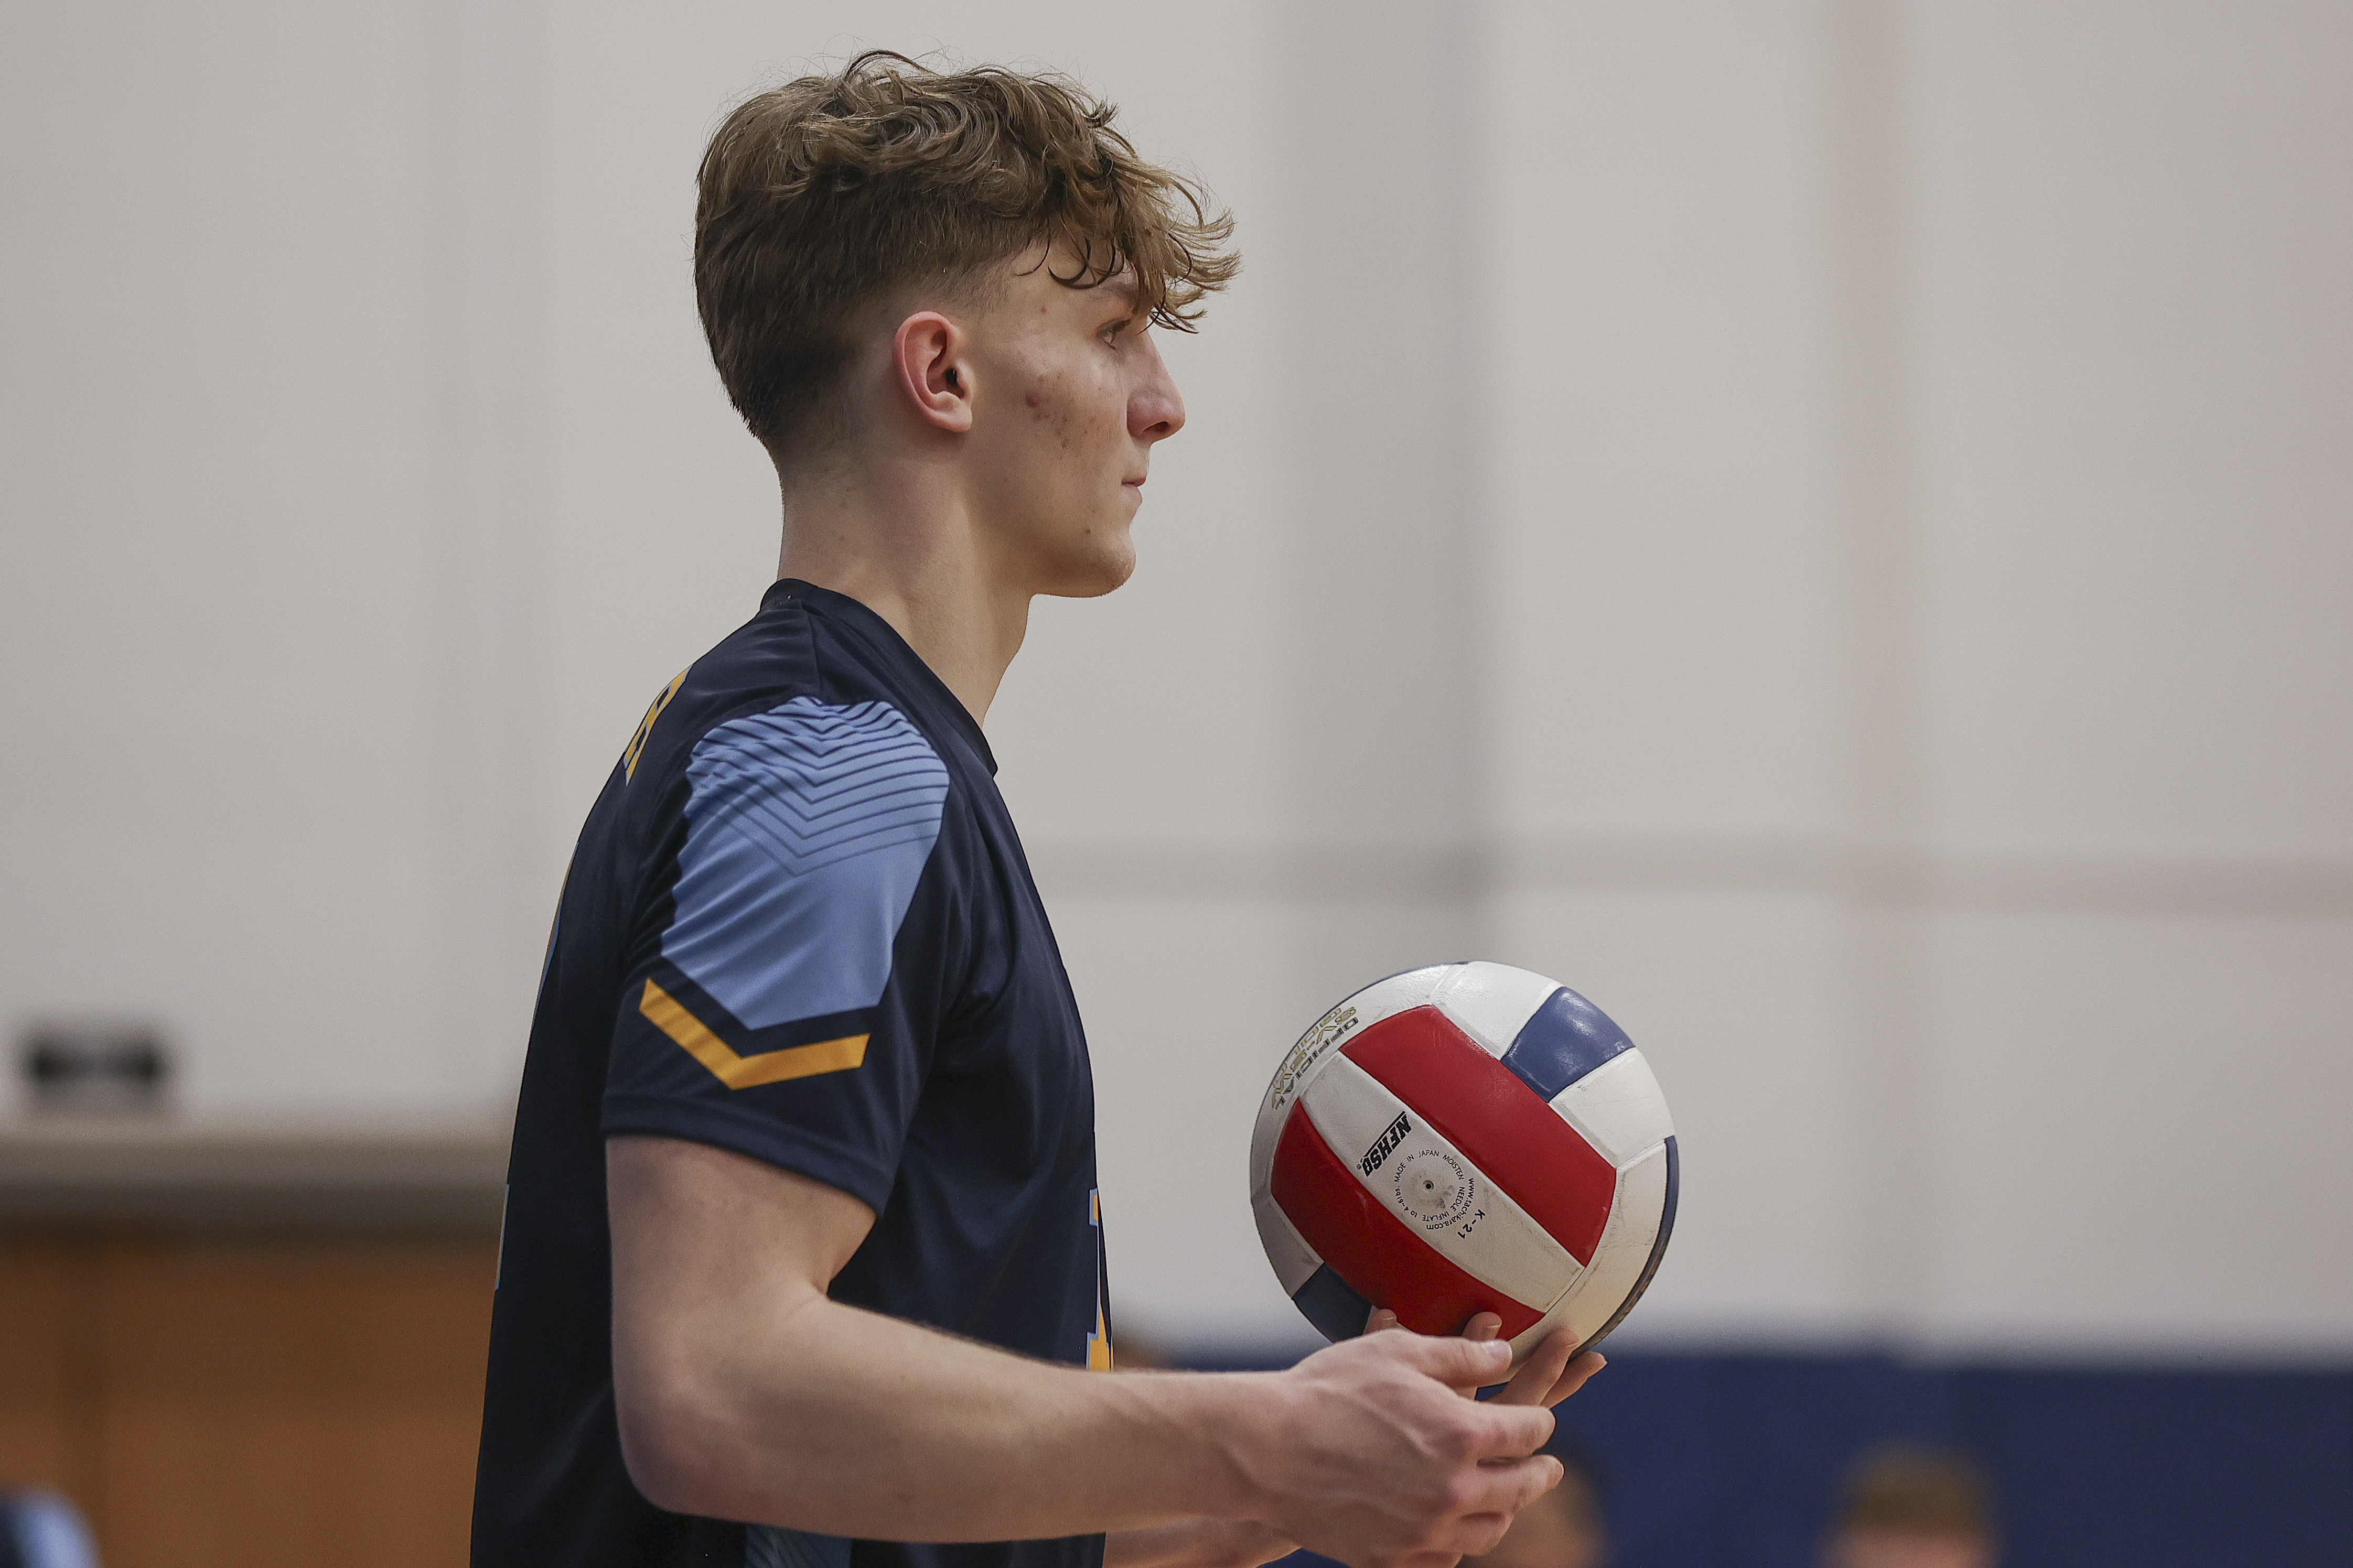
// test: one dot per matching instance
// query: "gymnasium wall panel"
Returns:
(2131, 229)
(2136, 1134)
(2123, 346)
(1361, 238)
(228, 380)
(1655, 382)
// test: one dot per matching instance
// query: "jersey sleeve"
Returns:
(788, 987)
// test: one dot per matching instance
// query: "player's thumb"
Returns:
(1460, 1363)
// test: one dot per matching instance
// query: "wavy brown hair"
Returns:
(826, 195)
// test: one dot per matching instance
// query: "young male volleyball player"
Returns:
(803, 1259)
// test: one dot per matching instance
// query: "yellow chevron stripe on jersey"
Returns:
(671, 1016)
(646, 726)
(1098, 1358)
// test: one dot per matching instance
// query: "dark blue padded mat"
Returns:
(1732, 1460)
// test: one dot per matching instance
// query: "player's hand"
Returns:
(1546, 1378)
(1373, 1459)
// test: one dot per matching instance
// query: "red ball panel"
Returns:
(1480, 1106)
(1371, 1249)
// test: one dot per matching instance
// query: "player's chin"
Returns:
(1108, 561)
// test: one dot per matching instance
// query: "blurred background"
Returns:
(1825, 524)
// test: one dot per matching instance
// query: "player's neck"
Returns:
(903, 539)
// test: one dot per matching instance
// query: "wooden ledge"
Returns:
(445, 1179)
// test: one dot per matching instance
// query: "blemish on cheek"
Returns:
(1032, 398)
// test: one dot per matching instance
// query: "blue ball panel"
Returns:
(1562, 1041)
(1336, 1310)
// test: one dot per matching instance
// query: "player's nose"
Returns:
(1155, 410)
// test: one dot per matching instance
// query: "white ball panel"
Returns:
(1288, 1250)
(1625, 1247)
(1490, 1002)
(1618, 1107)
(1263, 1137)
(1435, 1190)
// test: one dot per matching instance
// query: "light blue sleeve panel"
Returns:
(808, 828)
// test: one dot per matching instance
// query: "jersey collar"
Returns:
(888, 645)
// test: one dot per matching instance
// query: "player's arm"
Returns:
(1195, 1544)
(743, 1392)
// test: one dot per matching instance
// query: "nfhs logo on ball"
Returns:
(1516, 1157)
(1388, 1140)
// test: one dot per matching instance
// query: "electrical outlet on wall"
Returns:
(93, 1068)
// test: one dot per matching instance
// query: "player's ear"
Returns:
(932, 369)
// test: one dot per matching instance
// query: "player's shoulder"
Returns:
(825, 780)
(777, 712)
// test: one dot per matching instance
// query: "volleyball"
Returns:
(1459, 1139)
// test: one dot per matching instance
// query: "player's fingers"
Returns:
(1478, 1534)
(1505, 1488)
(1482, 1327)
(1540, 1374)
(1511, 1431)
(1456, 1363)
(1577, 1373)
(1381, 1317)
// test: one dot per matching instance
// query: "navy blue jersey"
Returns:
(798, 926)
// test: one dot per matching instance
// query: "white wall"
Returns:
(2129, 340)
(228, 400)
(1941, 762)
(1814, 523)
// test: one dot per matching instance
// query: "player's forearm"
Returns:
(1195, 1543)
(843, 1422)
